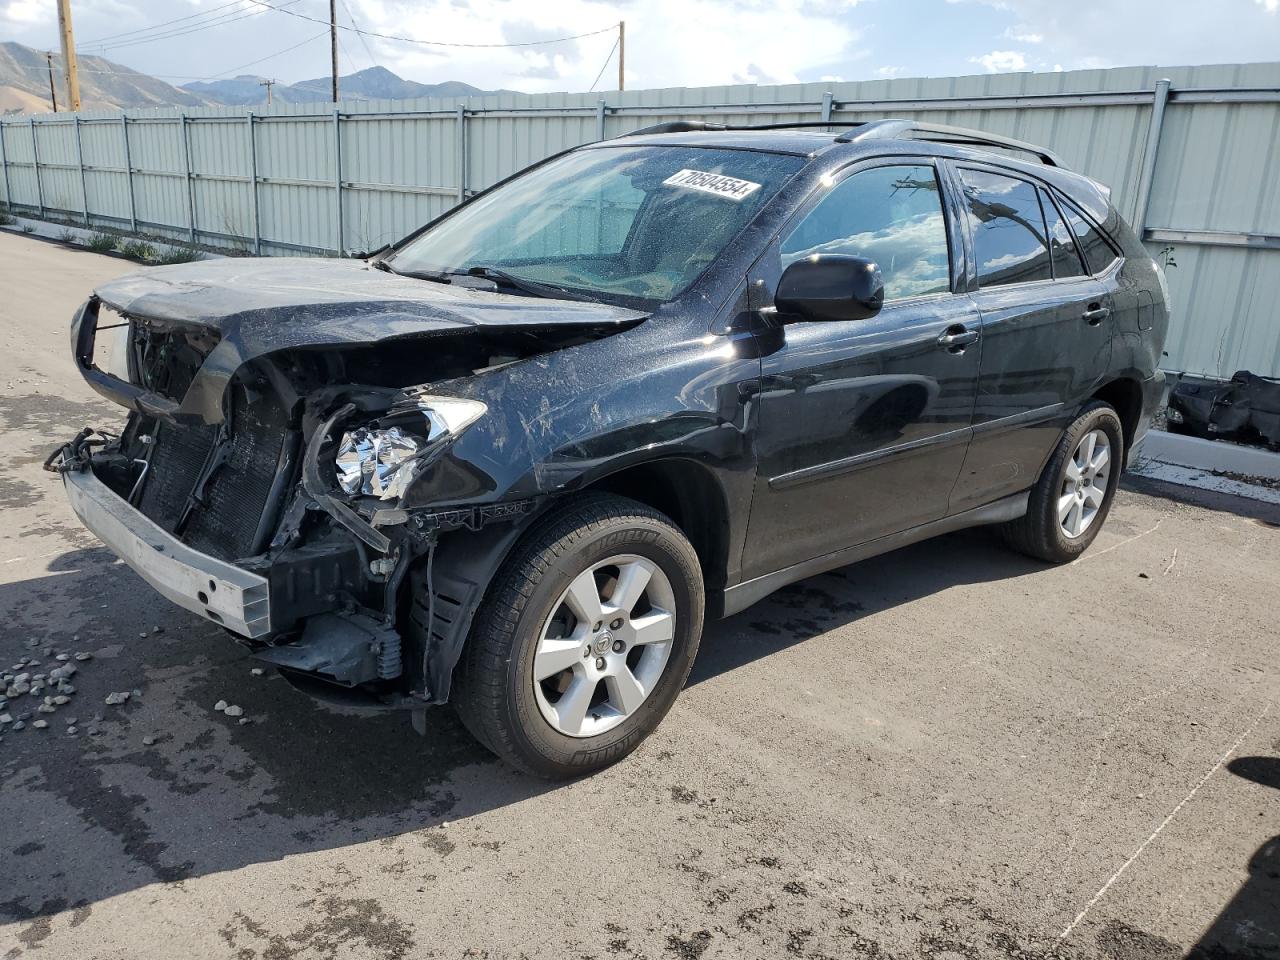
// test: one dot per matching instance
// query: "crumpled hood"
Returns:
(296, 301)
(260, 306)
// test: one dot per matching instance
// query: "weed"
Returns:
(177, 255)
(102, 242)
(138, 250)
(6, 220)
(67, 236)
(28, 228)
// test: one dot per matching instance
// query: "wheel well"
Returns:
(688, 494)
(1126, 396)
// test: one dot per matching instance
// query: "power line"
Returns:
(360, 34)
(435, 43)
(219, 21)
(603, 66)
(163, 23)
(216, 76)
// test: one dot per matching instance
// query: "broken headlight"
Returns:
(382, 461)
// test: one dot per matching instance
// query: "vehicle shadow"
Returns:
(1248, 928)
(92, 816)
(168, 788)
(805, 609)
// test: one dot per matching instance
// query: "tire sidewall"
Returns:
(1104, 418)
(639, 536)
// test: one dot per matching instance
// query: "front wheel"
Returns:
(1070, 501)
(584, 638)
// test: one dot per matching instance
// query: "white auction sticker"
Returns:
(720, 185)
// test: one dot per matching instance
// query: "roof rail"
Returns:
(864, 130)
(940, 133)
(698, 126)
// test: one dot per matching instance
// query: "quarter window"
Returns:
(1066, 261)
(891, 215)
(1097, 252)
(1009, 235)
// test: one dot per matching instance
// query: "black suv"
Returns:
(514, 460)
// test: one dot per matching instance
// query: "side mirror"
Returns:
(830, 287)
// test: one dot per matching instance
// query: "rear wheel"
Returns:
(1072, 498)
(584, 639)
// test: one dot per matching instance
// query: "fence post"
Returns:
(462, 153)
(4, 163)
(253, 185)
(337, 179)
(1159, 100)
(191, 186)
(84, 189)
(600, 109)
(128, 175)
(35, 165)
(826, 106)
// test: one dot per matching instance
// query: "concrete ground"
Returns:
(949, 752)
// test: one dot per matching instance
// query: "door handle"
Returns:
(956, 337)
(1096, 314)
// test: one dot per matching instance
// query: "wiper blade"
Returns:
(435, 276)
(535, 287)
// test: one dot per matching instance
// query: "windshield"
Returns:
(632, 222)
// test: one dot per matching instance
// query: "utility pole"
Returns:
(268, 84)
(72, 72)
(53, 92)
(622, 53)
(333, 45)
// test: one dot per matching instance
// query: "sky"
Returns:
(668, 42)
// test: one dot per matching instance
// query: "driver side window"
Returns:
(891, 215)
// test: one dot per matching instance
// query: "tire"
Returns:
(532, 611)
(1041, 532)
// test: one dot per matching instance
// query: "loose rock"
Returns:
(234, 711)
(257, 671)
(84, 656)
(41, 724)
(148, 741)
(64, 657)
(72, 731)
(220, 705)
(61, 700)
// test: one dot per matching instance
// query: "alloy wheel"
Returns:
(605, 646)
(1084, 484)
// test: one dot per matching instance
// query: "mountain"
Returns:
(379, 83)
(375, 83)
(24, 84)
(249, 90)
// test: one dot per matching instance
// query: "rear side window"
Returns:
(1066, 261)
(1097, 252)
(1009, 236)
(891, 215)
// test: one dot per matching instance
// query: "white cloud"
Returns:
(27, 11)
(1103, 33)
(889, 71)
(1023, 35)
(669, 42)
(1001, 61)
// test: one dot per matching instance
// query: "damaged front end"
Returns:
(290, 488)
